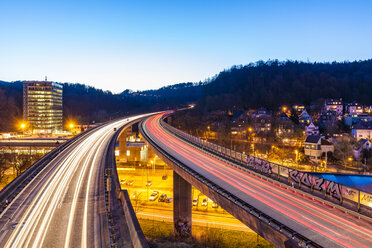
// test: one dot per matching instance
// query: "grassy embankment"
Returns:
(160, 234)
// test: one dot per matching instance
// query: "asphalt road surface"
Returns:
(318, 222)
(63, 206)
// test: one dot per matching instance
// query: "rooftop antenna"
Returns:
(46, 78)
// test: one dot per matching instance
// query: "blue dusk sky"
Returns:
(117, 45)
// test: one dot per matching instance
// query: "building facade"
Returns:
(362, 130)
(316, 146)
(42, 106)
(334, 105)
(354, 108)
(311, 129)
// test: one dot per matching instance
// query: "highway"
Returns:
(321, 223)
(198, 218)
(63, 206)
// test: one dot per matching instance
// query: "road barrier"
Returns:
(342, 195)
(138, 238)
(113, 192)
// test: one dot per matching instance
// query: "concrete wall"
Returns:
(135, 231)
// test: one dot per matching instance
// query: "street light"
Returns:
(23, 126)
(296, 152)
(71, 126)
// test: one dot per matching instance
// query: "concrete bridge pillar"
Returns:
(182, 206)
(123, 147)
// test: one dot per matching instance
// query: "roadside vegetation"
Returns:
(160, 234)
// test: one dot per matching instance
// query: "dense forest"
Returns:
(273, 83)
(263, 84)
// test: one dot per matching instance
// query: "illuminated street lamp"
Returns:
(296, 152)
(23, 127)
(350, 159)
(71, 126)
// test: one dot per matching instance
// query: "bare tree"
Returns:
(343, 149)
(4, 165)
(20, 162)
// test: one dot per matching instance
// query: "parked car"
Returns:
(195, 202)
(214, 205)
(149, 183)
(130, 182)
(168, 200)
(154, 196)
(123, 181)
(205, 202)
(134, 195)
(162, 198)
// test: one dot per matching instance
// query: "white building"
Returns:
(362, 130)
(315, 146)
(362, 144)
(311, 129)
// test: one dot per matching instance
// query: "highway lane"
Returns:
(199, 219)
(322, 224)
(63, 206)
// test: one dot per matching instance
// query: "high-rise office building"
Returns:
(42, 106)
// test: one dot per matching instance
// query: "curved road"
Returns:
(322, 224)
(63, 206)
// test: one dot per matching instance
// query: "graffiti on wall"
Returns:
(266, 168)
(182, 228)
(318, 183)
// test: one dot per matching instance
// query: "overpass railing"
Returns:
(115, 195)
(337, 193)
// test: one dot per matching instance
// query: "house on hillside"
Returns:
(353, 119)
(362, 144)
(316, 146)
(298, 108)
(362, 130)
(305, 118)
(311, 129)
(354, 108)
(334, 105)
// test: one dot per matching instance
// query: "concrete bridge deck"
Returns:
(320, 223)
